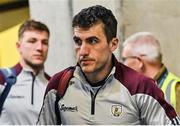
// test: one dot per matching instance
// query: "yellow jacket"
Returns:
(169, 83)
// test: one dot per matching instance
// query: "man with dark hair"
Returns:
(99, 89)
(24, 99)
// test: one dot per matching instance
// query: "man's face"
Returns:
(33, 47)
(130, 60)
(93, 52)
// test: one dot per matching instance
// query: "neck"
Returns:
(34, 68)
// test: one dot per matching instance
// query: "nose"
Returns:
(84, 49)
(39, 45)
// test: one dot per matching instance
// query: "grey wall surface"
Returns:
(161, 17)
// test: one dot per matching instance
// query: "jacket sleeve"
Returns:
(154, 108)
(151, 112)
(47, 115)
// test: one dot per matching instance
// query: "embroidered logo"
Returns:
(71, 109)
(116, 110)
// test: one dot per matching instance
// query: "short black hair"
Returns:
(88, 17)
(32, 25)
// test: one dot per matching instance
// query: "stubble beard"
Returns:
(35, 66)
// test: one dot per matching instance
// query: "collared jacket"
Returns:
(24, 101)
(169, 83)
(126, 98)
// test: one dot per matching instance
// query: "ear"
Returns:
(18, 44)
(113, 44)
(141, 65)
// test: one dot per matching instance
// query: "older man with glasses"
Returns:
(142, 52)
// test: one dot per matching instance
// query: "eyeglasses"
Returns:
(128, 57)
(133, 57)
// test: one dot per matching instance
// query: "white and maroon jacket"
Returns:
(24, 101)
(126, 98)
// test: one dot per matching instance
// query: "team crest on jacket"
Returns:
(116, 110)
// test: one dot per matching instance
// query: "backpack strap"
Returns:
(47, 76)
(10, 79)
(62, 87)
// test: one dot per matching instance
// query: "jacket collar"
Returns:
(18, 68)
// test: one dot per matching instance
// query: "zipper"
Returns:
(93, 97)
(32, 89)
(92, 103)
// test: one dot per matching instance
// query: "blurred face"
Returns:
(130, 60)
(93, 52)
(33, 48)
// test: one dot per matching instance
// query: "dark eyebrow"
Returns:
(45, 40)
(87, 39)
(92, 37)
(75, 38)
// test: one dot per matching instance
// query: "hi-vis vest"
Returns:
(169, 88)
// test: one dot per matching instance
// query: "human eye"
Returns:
(77, 41)
(93, 40)
(31, 40)
(45, 42)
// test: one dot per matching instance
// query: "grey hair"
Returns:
(145, 43)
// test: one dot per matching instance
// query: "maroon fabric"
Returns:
(55, 80)
(17, 68)
(138, 83)
(2, 80)
(63, 82)
(133, 81)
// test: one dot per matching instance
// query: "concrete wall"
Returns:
(162, 17)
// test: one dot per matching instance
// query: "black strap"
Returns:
(10, 79)
(57, 112)
(63, 84)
